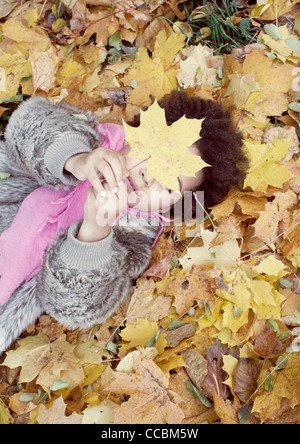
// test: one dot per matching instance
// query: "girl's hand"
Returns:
(101, 212)
(86, 166)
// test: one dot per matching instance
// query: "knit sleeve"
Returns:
(82, 284)
(40, 137)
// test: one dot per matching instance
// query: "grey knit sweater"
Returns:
(80, 284)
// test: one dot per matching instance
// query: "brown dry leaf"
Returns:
(187, 286)
(196, 366)
(150, 400)
(162, 255)
(267, 344)
(292, 242)
(213, 382)
(245, 377)
(174, 337)
(78, 16)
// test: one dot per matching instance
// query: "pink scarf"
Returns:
(42, 215)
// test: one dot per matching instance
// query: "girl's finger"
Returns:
(108, 175)
(117, 168)
(96, 182)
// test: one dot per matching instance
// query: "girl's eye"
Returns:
(168, 189)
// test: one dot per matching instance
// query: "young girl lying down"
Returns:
(65, 248)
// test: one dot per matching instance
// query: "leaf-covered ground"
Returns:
(211, 330)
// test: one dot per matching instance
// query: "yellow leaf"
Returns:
(166, 48)
(69, 71)
(52, 362)
(270, 266)
(16, 67)
(264, 170)
(274, 81)
(225, 255)
(229, 366)
(16, 31)
(137, 335)
(272, 9)
(241, 87)
(154, 137)
(155, 76)
(286, 385)
(32, 16)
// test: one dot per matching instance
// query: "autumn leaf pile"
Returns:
(210, 332)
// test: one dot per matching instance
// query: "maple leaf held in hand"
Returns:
(166, 145)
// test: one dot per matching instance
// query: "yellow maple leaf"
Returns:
(286, 385)
(264, 170)
(49, 365)
(139, 334)
(13, 68)
(155, 76)
(167, 145)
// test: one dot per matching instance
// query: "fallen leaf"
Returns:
(286, 386)
(6, 7)
(226, 410)
(56, 414)
(195, 70)
(241, 87)
(267, 225)
(196, 367)
(194, 411)
(225, 255)
(155, 76)
(267, 344)
(245, 377)
(150, 400)
(187, 286)
(214, 381)
(143, 304)
(44, 66)
(264, 169)
(52, 362)
(100, 414)
(138, 335)
(174, 337)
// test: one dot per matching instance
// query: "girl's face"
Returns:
(150, 195)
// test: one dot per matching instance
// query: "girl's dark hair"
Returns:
(220, 144)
